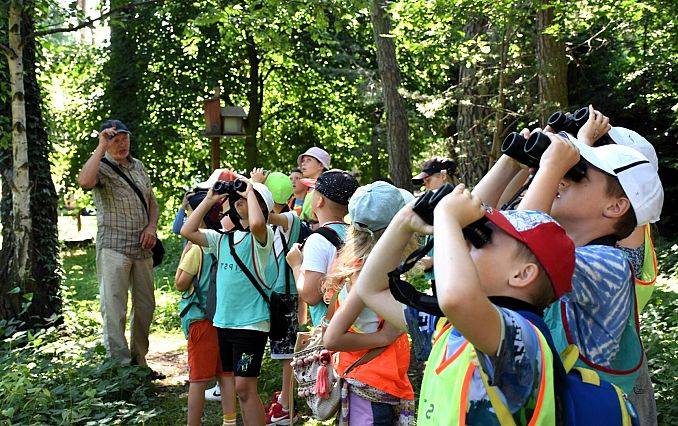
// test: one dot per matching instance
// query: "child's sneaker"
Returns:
(277, 415)
(213, 394)
(274, 400)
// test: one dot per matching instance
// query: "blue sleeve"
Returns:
(601, 301)
(516, 367)
(179, 221)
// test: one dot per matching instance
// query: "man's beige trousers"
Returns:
(118, 274)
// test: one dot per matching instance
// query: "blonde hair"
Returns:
(352, 256)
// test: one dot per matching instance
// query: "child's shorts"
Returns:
(242, 351)
(284, 348)
(204, 362)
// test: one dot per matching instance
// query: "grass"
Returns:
(97, 392)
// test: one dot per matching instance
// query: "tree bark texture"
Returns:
(551, 63)
(41, 288)
(20, 181)
(255, 97)
(472, 146)
(500, 111)
(398, 147)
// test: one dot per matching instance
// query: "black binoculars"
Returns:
(529, 152)
(477, 233)
(561, 122)
(231, 187)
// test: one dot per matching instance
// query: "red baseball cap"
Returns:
(545, 238)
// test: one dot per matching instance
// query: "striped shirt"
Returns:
(120, 215)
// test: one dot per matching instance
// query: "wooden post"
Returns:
(216, 156)
(213, 126)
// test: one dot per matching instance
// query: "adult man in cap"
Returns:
(435, 172)
(126, 233)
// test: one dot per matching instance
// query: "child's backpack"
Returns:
(329, 234)
(582, 397)
(197, 298)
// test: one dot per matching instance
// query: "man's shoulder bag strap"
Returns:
(129, 182)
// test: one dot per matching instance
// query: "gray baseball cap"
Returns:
(373, 206)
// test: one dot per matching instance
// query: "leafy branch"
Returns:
(91, 21)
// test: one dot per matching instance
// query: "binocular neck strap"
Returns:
(413, 258)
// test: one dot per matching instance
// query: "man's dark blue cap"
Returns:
(119, 126)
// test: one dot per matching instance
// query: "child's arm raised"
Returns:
(494, 183)
(460, 294)
(255, 219)
(372, 285)
(338, 338)
(191, 228)
(559, 157)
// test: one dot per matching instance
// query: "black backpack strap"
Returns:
(330, 235)
(287, 266)
(246, 270)
(129, 182)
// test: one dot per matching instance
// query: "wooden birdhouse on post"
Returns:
(220, 123)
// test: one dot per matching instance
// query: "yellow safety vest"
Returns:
(648, 274)
(445, 389)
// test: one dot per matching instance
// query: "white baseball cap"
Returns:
(636, 174)
(627, 137)
(265, 193)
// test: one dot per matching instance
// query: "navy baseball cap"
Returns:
(119, 126)
(433, 166)
(337, 185)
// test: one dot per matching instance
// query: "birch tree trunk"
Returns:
(398, 146)
(20, 181)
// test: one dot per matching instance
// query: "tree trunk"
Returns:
(255, 97)
(552, 65)
(399, 163)
(20, 181)
(40, 285)
(471, 149)
(501, 98)
(124, 71)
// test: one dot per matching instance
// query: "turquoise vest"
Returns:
(196, 297)
(238, 302)
(623, 369)
(277, 264)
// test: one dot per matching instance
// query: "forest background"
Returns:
(460, 75)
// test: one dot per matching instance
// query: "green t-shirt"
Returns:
(307, 208)
(239, 304)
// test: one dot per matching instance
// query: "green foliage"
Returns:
(659, 329)
(60, 376)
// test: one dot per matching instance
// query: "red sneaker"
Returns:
(278, 416)
(274, 400)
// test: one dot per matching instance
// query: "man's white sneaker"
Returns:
(213, 394)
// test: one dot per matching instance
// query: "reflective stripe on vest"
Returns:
(444, 397)
(648, 273)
